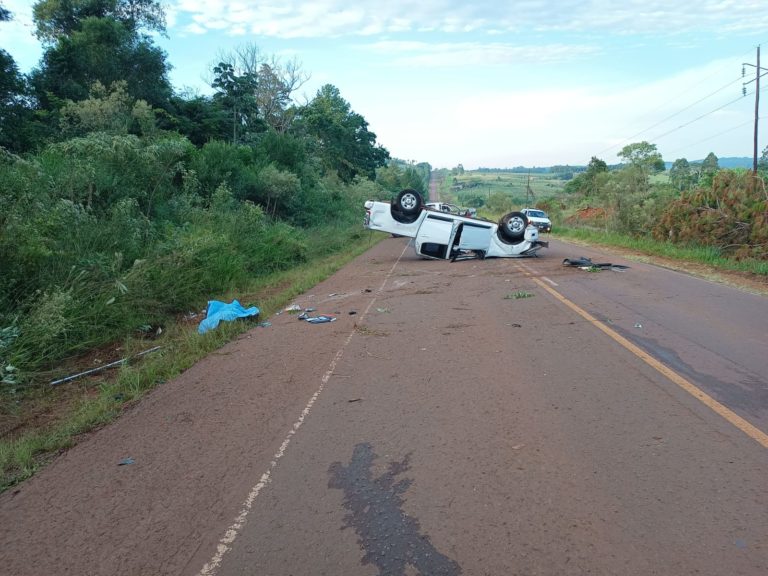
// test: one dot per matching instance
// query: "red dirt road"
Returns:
(446, 427)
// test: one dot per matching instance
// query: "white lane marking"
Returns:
(550, 281)
(225, 543)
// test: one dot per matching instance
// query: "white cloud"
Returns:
(195, 28)
(457, 54)
(536, 127)
(323, 18)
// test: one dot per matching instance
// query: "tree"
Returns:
(707, 170)
(109, 110)
(12, 85)
(199, 118)
(596, 165)
(643, 155)
(276, 82)
(594, 169)
(273, 99)
(588, 182)
(762, 164)
(641, 160)
(395, 177)
(14, 114)
(57, 18)
(710, 165)
(237, 93)
(680, 175)
(102, 50)
(342, 138)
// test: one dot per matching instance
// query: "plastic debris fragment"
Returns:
(321, 319)
(218, 311)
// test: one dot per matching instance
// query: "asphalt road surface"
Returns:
(497, 417)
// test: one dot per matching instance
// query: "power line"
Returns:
(748, 122)
(762, 90)
(727, 85)
(698, 118)
(731, 83)
(686, 91)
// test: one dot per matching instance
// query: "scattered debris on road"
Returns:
(320, 319)
(585, 263)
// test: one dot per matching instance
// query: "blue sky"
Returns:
(493, 83)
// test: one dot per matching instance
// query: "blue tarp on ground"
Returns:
(218, 311)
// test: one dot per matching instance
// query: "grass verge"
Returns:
(83, 406)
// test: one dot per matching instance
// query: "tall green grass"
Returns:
(181, 347)
(102, 237)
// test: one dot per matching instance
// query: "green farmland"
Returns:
(500, 191)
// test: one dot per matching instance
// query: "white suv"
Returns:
(538, 218)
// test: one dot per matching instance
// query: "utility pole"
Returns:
(529, 195)
(758, 73)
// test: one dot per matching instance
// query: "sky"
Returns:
(491, 83)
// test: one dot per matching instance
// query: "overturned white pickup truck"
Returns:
(448, 236)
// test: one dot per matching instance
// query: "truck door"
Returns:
(434, 236)
(474, 236)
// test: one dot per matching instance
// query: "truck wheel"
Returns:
(407, 206)
(512, 226)
(409, 202)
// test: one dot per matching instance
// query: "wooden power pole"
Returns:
(758, 72)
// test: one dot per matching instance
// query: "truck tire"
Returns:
(409, 202)
(512, 227)
(407, 206)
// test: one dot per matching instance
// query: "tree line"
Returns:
(101, 70)
(695, 204)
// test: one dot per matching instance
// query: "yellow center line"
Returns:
(739, 422)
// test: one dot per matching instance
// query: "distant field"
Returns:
(521, 189)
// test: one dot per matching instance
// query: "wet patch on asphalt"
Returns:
(748, 393)
(392, 540)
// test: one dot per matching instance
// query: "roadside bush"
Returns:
(284, 151)
(500, 203)
(731, 214)
(219, 163)
(638, 214)
(103, 236)
(274, 189)
(98, 170)
(329, 201)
